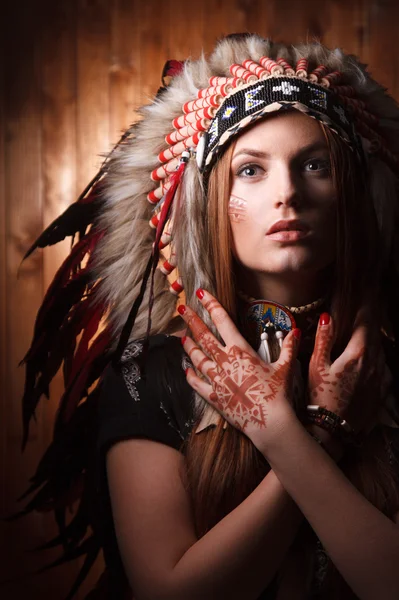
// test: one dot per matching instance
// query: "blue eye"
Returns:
(249, 171)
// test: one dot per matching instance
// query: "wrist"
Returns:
(331, 422)
(279, 430)
(332, 444)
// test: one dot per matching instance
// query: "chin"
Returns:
(292, 260)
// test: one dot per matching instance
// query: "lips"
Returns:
(288, 231)
(286, 225)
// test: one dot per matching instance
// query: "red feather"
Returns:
(69, 266)
(90, 330)
(84, 378)
(169, 196)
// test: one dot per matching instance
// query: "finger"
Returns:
(202, 335)
(222, 321)
(289, 349)
(285, 365)
(356, 346)
(200, 360)
(204, 389)
(323, 342)
(363, 316)
(208, 393)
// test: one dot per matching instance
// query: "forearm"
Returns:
(331, 444)
(239, 556)
(361, 541)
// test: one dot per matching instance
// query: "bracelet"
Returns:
(331, 422)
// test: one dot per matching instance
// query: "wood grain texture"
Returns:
(382, 25)
(59, 101)
(346, 26)
(72, 76)
(23, 221)
(3, 295)
(125, 66)
(59, 188)
(92, 76)
(153, 44)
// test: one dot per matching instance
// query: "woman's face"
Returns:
(282, 204)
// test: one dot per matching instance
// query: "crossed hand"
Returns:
(254, 396)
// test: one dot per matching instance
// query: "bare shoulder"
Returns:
(151, 510)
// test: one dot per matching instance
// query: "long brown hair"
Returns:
(223, 466)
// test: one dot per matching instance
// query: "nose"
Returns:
(288, 193)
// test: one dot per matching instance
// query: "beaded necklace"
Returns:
(296, 310)
(265, 323)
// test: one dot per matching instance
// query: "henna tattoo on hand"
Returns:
(318, 373)
(200, 331)
(243, 386)
(348, 379)
(332, 390)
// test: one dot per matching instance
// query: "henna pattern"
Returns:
(201, 364)
(331, 389)
(321, 349)
(318, 375)
(243, 385)
(200, 331)
(348, 379)
(284, 375)
(212, 306)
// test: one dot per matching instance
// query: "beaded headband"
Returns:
(231, 104)
(244, 106)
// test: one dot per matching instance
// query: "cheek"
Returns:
(237, 209)
(321, 194)
(322, 204)
(247, 207)
(240, 222)
(327, 217)
(325, 227)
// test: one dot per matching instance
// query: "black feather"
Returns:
(85, 547)
(91, 555)
(76, 218)
(63, 477)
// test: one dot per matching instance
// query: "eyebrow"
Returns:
(260, 154)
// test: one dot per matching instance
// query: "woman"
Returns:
(289, 489)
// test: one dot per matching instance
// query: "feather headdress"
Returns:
(95, 289)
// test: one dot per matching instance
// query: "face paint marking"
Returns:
(237, 209)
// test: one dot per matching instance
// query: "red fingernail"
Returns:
(324, 319)
(181, 309)
(183, 339)
(200, 293)
(297, 334)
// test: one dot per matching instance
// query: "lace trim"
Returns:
(130, 369)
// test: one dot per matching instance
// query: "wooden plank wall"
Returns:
(72, 73)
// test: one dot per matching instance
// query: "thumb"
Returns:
(289, 350)
(323, 341)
